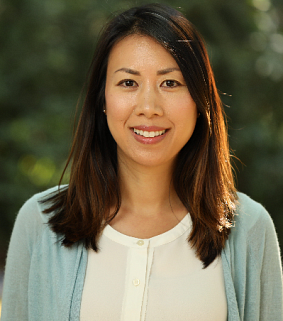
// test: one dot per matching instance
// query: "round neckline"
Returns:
(161, 239)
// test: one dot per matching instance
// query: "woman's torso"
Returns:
(151, 279)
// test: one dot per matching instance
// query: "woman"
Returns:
(150, 226)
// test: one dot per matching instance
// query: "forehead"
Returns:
(137, 51)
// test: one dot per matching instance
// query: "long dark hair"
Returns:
(202, 176)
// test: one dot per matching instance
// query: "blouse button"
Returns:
(140, 242)
(136, 282)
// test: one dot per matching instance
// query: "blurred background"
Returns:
(46, 49)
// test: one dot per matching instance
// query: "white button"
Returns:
(140, 242)
(136, 282)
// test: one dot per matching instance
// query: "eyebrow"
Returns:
(159, 72)
(166, 71)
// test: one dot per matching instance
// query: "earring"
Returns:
(104, 110)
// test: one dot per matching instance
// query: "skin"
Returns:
(145, 88)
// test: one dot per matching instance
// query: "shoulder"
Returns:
(33, 208)
(250, 214)
(253, 225)
(253, 237)
(31, 221)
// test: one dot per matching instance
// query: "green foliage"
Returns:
(46, 48)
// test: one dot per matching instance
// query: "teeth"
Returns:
(149, 134)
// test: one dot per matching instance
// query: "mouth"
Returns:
(150, 134)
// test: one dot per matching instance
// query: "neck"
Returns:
(147, 191)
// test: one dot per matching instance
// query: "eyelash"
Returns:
(124, 81)
(177, 83)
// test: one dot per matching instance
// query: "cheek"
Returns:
(186, 121)
(183, 112)
(117, 114)
(118, 107)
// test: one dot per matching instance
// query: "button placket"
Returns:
(135, 282)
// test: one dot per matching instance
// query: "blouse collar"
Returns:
(155, 241)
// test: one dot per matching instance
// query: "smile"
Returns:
(149, 134)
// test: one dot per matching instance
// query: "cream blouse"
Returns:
(154, 279)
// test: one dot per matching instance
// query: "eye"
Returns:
(127, 83)
(171, 83)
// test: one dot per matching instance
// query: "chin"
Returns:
(154, 163)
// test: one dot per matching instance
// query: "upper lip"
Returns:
(149, 128)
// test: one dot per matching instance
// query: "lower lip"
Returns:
(149, 140)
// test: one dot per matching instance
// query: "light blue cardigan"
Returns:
(44, 280)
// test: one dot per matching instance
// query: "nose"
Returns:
(148, 102)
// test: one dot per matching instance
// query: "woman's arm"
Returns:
(254, 259)
(271, 301)
(26, 232)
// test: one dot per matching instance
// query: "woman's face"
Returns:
(150, 112)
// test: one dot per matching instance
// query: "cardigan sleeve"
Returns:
(271, 302)
(255, 263)
(263, 284)
(27, 228)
